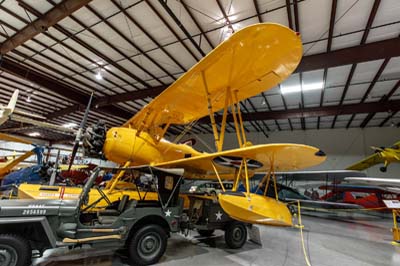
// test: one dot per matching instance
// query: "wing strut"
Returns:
(234, 105)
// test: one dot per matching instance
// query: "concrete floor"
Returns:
(330, 242)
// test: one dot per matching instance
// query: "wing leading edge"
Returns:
(367, 162)
(252, 60)
(284, 156)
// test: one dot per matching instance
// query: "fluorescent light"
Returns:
(70, 125)
(98, 76)
(306, 87)
(34, 134)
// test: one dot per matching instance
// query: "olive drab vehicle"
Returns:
(29, 227)
(141, 226)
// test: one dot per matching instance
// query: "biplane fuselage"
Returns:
(127, 144)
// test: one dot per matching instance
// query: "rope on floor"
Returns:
(301, 226)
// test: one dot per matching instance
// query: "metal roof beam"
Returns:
(187, 8)
(346, 56)
(103, 101)
(60, 88)
(358, 108)
(50, 18)
(180, 25)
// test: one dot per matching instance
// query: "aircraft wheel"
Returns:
(383, 169)
(205, 232)
(236, 234)
(14, 251)
(147, 245)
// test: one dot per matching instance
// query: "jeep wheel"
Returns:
(147, 245)
(236, 234)
(14, 251)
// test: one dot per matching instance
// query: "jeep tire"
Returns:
(14, 251)
(236, 234)
(147, 245)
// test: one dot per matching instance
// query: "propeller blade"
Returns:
(79, 133)
(377, 148)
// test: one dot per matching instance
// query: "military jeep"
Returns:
(29, 227)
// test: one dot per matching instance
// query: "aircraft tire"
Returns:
(14, 250)
(147, 245)
(236, 235)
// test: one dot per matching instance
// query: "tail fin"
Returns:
(13, 101)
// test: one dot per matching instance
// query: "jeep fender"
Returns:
(29, 220)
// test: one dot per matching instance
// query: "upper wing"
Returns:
(252, 60)
(367, 162)
(374, 181)
(284, 157)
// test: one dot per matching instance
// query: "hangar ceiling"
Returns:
(127, 52)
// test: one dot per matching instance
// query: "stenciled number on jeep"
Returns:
(35, 209)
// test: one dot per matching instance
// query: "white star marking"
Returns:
(168, 213)
(219, 215)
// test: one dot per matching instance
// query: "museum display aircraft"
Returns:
(7, 165)
(382, 155)
(9, 112)
(387, 184)
(252, 60)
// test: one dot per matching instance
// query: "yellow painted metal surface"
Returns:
(11, 138)
(285, 156)
(252, 60)
(384, 156)
(33, 191)
(125, 144)
(256, 209)
(6, 167)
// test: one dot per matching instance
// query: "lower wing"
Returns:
(367, 162)
(282, 156)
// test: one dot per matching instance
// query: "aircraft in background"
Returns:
(367, 196)
(252, 60)
(8, 165)
(385, 155)
(9, 112)
(388, 184)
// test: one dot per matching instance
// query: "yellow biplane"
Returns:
(384, 155)
(251, 61)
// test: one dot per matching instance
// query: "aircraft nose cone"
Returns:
(320, 153)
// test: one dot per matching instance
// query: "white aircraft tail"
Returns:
(13, 101)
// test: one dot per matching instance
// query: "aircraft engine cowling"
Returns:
(93, 140)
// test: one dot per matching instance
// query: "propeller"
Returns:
(377, 149)
(80, 132)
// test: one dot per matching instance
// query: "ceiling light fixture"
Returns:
(34, 134)
(99, 76)
(305, 87)
(70, 125)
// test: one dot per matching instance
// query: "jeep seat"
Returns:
(111, 215)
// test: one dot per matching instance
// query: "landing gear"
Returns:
(147, 245)
(236, 235)
(383, 169)
(14, 251)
